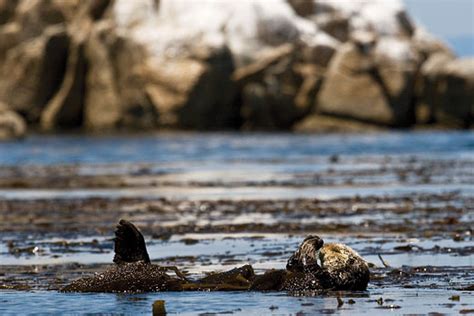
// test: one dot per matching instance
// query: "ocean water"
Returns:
(252, 166)
(225, 147)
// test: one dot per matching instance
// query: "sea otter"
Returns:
(340, 268)
(134, 271)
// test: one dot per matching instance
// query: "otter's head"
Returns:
(306, 257)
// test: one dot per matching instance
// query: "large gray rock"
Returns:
(116, 85)
(195, 92)
(447, 91)
(428, 86)
(372, 81)
(278, 90)
(102, 100)
(35, 70)
(7, 10)
(457, 93)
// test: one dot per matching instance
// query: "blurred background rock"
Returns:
(305, 65)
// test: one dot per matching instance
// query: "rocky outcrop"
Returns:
(279, 64)
(249, 37)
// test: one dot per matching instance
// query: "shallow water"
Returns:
(211, 202)
(212, 147)
(267, 250)
(235, 303)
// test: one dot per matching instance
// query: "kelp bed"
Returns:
(410, 215)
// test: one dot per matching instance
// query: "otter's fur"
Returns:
(346, 269)
(316, 266)
(340, 268)
(128, 277)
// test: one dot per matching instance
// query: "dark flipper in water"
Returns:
(129, 244)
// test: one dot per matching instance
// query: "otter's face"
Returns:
(306, 256)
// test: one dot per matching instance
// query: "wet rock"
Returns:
(10, 36)
(35, 16)
(12, 125)
(456, 91)
(367, 82)
(428, 87)
(335, 24)
(35, 70)
(303, 8)
(115, 82)
(194, 92)
(280, 88)
(7, 9)
(445, 89)
(102, 102)
(66, 108)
